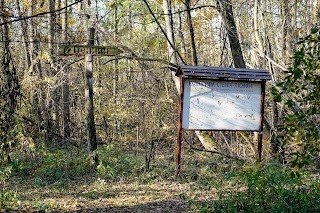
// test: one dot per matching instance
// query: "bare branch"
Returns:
(45, 127)
(216, 152)
(40, 14)
(174, 66)
(164, 33)
(270, 59)
(194, 8)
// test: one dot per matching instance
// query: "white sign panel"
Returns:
(221, 105)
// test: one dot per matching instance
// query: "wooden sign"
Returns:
(218, 98)
(221, 105)
(93, 50)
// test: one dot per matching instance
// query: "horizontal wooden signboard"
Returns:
(93, 50)
(221, 105)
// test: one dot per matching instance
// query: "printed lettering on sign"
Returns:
(221, 105)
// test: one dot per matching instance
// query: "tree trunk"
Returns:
(58, 22)
(180, 33)
(293, 33)
(51, 27)
(6, 118)
(285, 27)
(191, 31)
(38, 104)
(225, 8)
(24, 33)
(115, 71)
(65, 85)
(257, 34)
(317, 14)
(55, 94)
(169, 27)
(171, 50)
(56, 116)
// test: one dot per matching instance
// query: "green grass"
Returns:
(62, 180)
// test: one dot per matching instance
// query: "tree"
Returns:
(225, 8)
(65, 85)
(9, 91)
(191, 33)
(24, 33)
(52, 47)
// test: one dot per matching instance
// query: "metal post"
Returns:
(179, 139)
(263, 87)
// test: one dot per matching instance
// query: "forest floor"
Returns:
(95, 195)
(120, 185)
(62, 179)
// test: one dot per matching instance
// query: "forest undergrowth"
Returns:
(62, 180)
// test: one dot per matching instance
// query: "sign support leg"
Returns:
(179, 139)
(178, 151)
(263, 93)
(259, 146)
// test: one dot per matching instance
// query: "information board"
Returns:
(221, 105)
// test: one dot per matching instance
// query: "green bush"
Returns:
(115, 164)
(6, 196)
(59, 164)
(300, 92)
(266, 188)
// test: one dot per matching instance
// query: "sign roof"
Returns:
(222, 73)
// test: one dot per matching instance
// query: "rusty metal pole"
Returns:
(179, 139)
(263, 93)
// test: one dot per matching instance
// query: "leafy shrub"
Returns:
(114, 164)
(273, 189)
(60, 164)
(266, 188)
(6, 196)
(50, 164)
(300, 91)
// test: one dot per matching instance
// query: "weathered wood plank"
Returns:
(93, 50)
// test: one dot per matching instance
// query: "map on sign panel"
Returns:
(221, 105)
